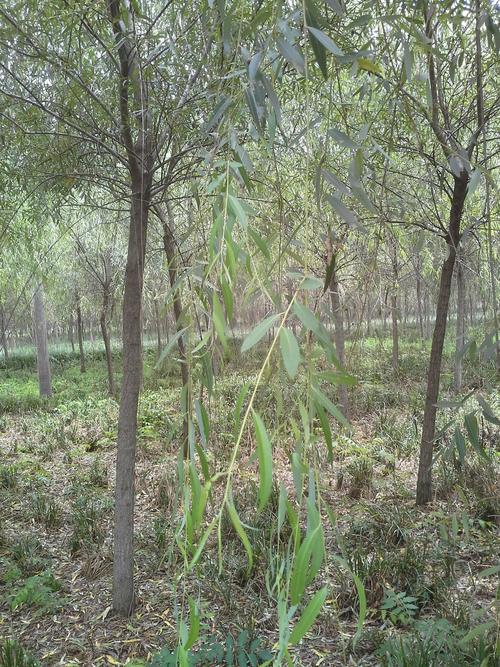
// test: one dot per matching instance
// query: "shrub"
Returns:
(12, 654)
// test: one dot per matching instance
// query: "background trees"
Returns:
(313, 176)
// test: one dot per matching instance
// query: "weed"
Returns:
(12, 654)
(46, 510)
(37, 591)
(98, 474)
(8, 477)
(28, 555)
(360, 472)
(88, 521)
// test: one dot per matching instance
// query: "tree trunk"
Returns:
(395, 332)
(339, 334)
(460, 331)
(424, 480)
(107, 343)
(419, 301)
(171, 254)
(3, 333)
(123, 563)
(158, 325)
(70, 333)
(42, 348)
(79, 328)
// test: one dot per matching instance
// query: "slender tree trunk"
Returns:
(3, 333)
(419, 301)
(460, 331)
(79, 329)
(339, 334)
(424, 480)
(107, 343)
(123, 564)
(395, 332)
(70, 333)
(158, 326)
(42, 348)
(171, 254)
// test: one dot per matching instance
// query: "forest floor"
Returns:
(429, 575)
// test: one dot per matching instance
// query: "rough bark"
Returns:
(460, 327)
(424, 480)
(42, 348)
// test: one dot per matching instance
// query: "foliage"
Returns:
(12, 654)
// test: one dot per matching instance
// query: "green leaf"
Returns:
(472, 428)
(292, 54)
(306, 316)
(238, 526)
(219, 321)
(169, 346)
(360, 589)
(259, 242)
(340, 208)
(326, 41)
(258, 332)
(336, 6)
(290, 352)
(309, 615)
(265, 454)
(370, 66)
(329, 406)
(194, 625)
(325, 426)
(237, 210)
(460, 444)
(479, 630)
(342, 138)
(317, 45)
(307, 563)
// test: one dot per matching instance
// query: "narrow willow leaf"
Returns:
(194, 625)
(370, 66)
(306, 316)
(219, 110)
(329, 406)
(252, 105)
(472, 428)
(290, 352)
(340, 208)
(237, 210)
(317, 44)
(360, 589)
(342, 138)
(307, 563)
(219, 322)
(238, 526)
(292, 54)
(336, 6)
(265, 454)
(259, 242)
(309, 615)
(169, 346)
(227, 296)
(326, 41)
(479, 630)
(325, 427)
(333, 180)
(258, 332)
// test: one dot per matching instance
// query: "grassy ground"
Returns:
(428, 575)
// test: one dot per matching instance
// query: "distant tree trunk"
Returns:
(424, 480)
(79, 329)
(3, 333)
(419, 300)
(339, 334)
(107, 342)
(42, 348)
(158, 326)
(394, 309)
(171, 254)
(460, 330)
(395, 332)
(70, 333)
